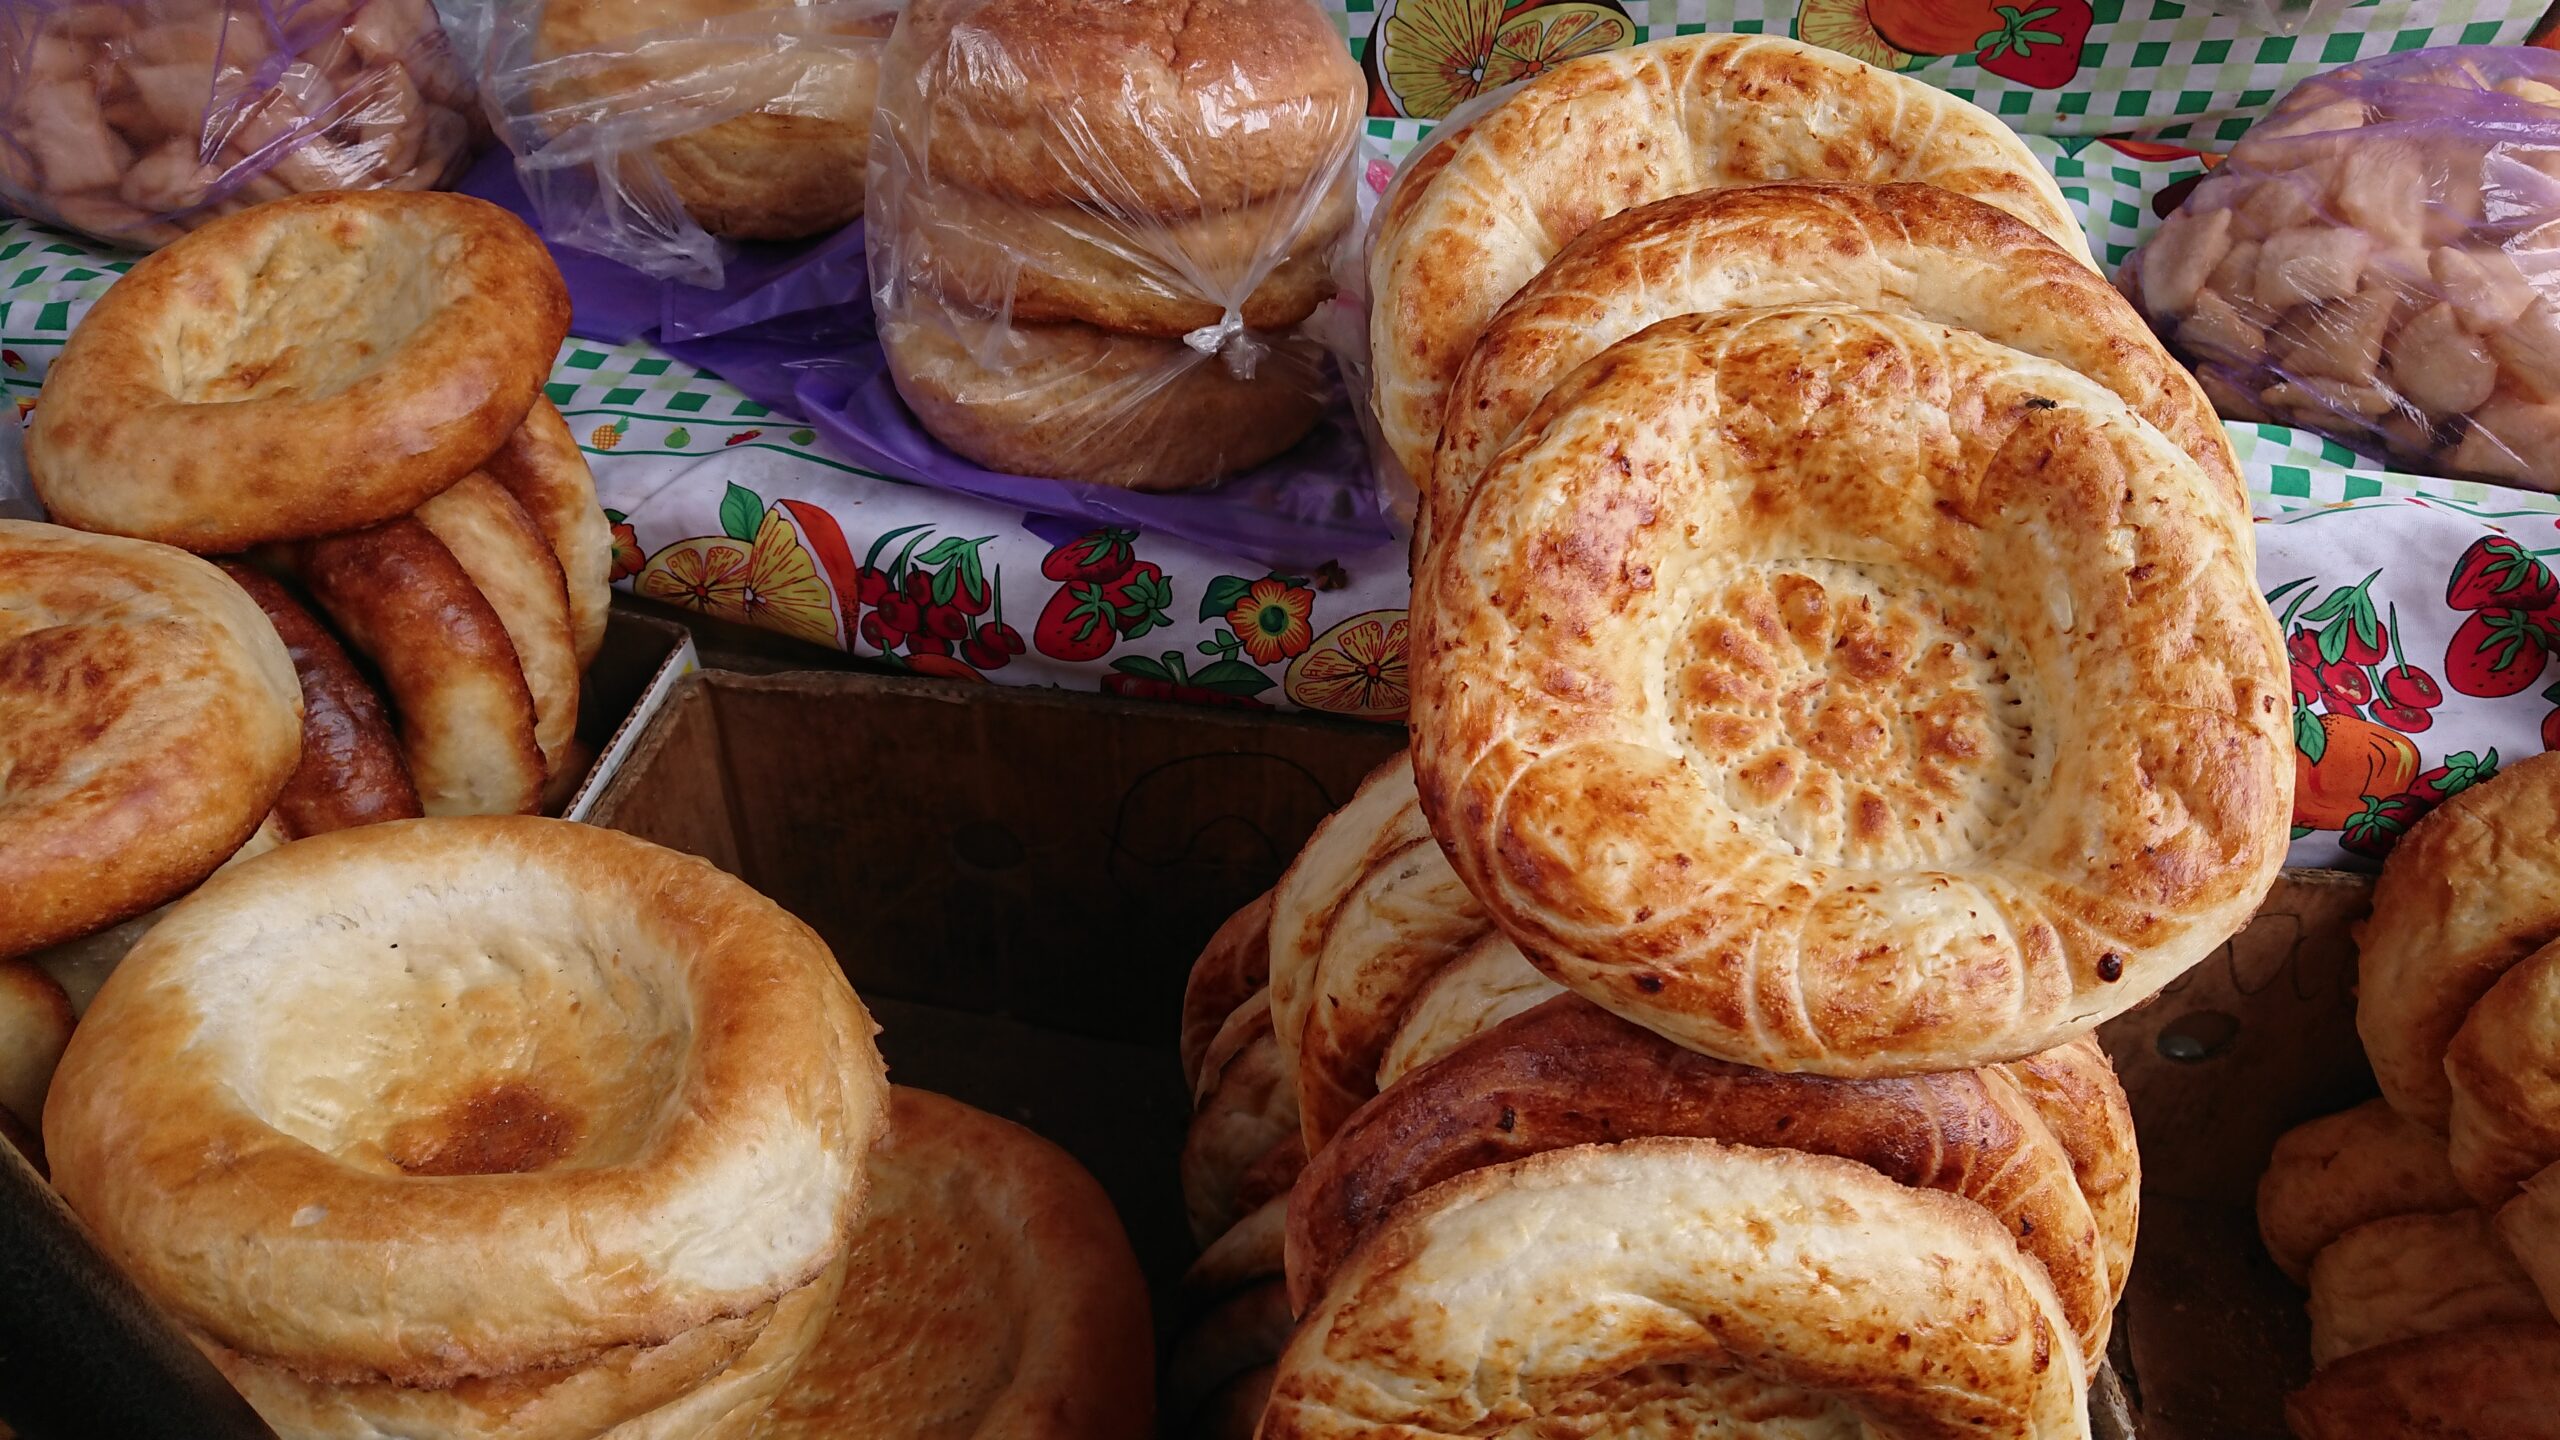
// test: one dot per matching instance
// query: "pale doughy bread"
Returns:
(35, 1023)
(1757, 696)
(1911, 250)
(1144, 109)
(1365, 916)
(626, 1386)
(2530, 1226)
(1606, 133)
(152, 719)
(2472, 889)
(2074, 1091)
(1248, 1025)
(1253, 1249)
(2505, 1069)
(735, 1401)
(542, 466)
(1480, 989)
(793, 165)
(2491, 1382)
(2330, 1175)
(498, 546)
(1074, 402)
(1569, 1073)
(82, 966)
(1247, 1106)
(1269, 264)
(2414, 1275)
(442, 1099)
(990, 1293)
(1629, 1285)
(469, 728)
(1232, 967)
(351, 771)
(301, 368)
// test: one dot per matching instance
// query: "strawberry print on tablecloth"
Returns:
(2418, 679)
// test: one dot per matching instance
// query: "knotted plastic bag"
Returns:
(138, 120)
(1097, 232)
(2379, 260)
(649, 131)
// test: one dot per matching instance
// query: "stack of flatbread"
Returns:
(1841, 684)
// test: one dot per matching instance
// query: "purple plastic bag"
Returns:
(792, 328)
(139, 120)
(2379, 260)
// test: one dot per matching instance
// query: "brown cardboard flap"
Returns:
(1058, 859)
(2249, 1044)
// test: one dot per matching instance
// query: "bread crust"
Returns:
(1075, 402)
(989, 1291)
(497, 545)
(543, 468)
(1149, 109)
(600, 1094)
(309, 366)
(789, 168)
(1904, 249)
(1232, 967)
(1568, 1073)
(2489, 1382)
(1662, 119)
(2330, 1175)
(1364, 917)
(1807, 1284)
(1268, 265)
(1791, 747)
(153, 720)
(2439, 938)
(351, 772)
(467, 720)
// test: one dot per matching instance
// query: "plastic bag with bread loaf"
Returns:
(138, 120)
(2378, 260)
(1096, 232)
(650, 131)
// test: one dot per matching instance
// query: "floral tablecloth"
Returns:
(725, 507)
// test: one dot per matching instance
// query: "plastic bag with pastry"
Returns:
(138, 120)
(1122, 213)
(650, 132)
(2378, 261)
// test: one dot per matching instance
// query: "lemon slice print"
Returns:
(1845, 26)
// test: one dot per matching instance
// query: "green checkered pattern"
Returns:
(633, 400)
(2292, 470)
(2149, 68)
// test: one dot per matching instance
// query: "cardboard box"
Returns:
(634, 676)
(1019, 880)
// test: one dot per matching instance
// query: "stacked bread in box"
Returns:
(1840, 685)
(1095, 230)
(338, 397)
(418, 1114)
(2426, 1224)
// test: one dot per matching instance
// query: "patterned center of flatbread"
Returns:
(1846, 716)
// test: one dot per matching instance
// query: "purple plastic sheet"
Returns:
(791, 327)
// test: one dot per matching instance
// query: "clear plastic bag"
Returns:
(2379, 260)
(1096, 232)
(650, 130)
(138, 120)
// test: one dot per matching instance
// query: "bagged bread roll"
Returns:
(1121, 212)
(138, 120)
(648, 130)
(2376, 262)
